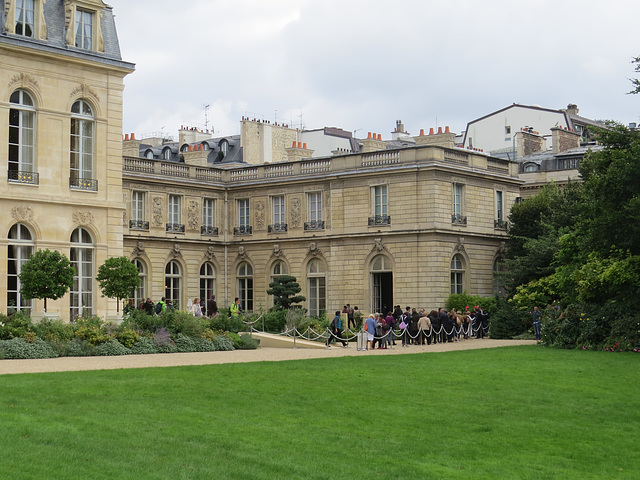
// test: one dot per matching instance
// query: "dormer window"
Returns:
(25, 17)
(166, 154)
(84, 29)
(184, 148)
(224, 148)
(149, 154)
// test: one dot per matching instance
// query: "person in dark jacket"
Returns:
(413, 327)
(212, 306)
(446, 324)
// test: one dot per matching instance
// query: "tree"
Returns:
(285, 291)
(47, 274)
(634, 81)
(117, 276)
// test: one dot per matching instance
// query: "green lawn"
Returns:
(508, 413)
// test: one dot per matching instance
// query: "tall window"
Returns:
(316, 281)
(314, 202)
(139, 293)
(277, 270)
(458, 197)
(174, 214)
(82, 138)
(499, 206)
(84, 29)
(138, 210)
(173, 283)
(278, 214)
(207, 282)
(25, 16)
(245, 286)
(380, 204)
(20, 249)
(82, 260)
(457, 274)
(244, 220)
(498, 271)
(22, 117)
(208, 217)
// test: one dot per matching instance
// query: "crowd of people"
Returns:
(413, 326)
(198, 307)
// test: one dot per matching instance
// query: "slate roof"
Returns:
(234, 151)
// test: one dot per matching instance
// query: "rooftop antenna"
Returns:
(206, 116)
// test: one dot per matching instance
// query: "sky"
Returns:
(361, 65)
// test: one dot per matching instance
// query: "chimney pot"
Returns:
(369, 135)
(439, 130)
(133, 136)
(431, 132)
(126, 137)
(379, 136)
(446, 129)
(304, 145)
(299, 144)
(422, 132)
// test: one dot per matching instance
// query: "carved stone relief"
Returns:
(158, 211)
(138, 250)
(277, 251)
(22, 214)
(314, 250)
(192, 215)
(23, 80)
(83, 217)
(296, 216)
(379, 245)
(260, 215)
(459, 248)
(175, 251)
(210, 253)
(85, 91)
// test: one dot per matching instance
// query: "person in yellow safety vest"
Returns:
(235, 307)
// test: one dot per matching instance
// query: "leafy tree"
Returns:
(634, 81)
(285, 291)
(47, 274)
(117, 276)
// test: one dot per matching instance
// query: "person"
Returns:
(445, 325)
(235, 309)
(370, 328)
(335, 330)
(424, 326)
(404, 320)
(212, 306)
(537, 317)
(148, 306)
(436, 326)
(350, 316)
(381, 331)
(161, 306)
(391, 323)
(195, 308)
(413, 327)
(130, 307)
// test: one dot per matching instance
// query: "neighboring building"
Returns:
(382, 226)
(500, 133)
(61, 86)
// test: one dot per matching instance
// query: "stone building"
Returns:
(373, 228)
(61, 83)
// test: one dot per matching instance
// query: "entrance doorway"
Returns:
(381, 285)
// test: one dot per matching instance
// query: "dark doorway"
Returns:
(382, 292)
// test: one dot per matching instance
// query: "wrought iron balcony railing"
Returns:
(209, 230)
(500, 224)
(458, 219)
(16, 176)
(175, 228)
(88, 184)
(314, 225)
(138, 225)
(380, 220)
(277, 228)
(243, 230)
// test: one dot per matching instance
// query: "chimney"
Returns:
(563, 139)
(373, 143)
(441, 139)
(572, 109)
(298, 151)
(131, 146)
(528, 142)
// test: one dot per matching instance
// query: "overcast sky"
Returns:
(362, 65)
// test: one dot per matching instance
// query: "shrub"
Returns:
(15, 325)
(224, 323)
(184, 343)
(248, 342)
(112, 347)
(274, 321)
(203, 345)
(144, 345)
(162, 339)
(235, 339)
(184, 323)
(460, 301)
(127, 337)
(140, 321)
(54, 330)
(19, 348)
(92, 334)
(222, 343)
(77, 347)
(507, 321)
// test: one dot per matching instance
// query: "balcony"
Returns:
(457, 219)
(31, 178)
(175, 228)
(500, 224)
(314, 225)
(209, 231)
(243, 230)
(87, 184)
(138, 225)
(277, 228)
(380, 220)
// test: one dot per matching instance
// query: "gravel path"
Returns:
(68, 364)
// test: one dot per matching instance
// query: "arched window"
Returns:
(22, 119)
(277, 270)
(173, 283)
(82, 252)
(498, 271)
(139, 294)
(245, 286)
(20, 249)
(207, 281)
(457, 274)
(82, 146)
(224, 147)
(149, 154)
(316, 281)
(166, 154)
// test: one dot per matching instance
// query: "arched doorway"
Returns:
(381, 272)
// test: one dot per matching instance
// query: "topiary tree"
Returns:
(117, 276)
(285, 291)
(47, 274)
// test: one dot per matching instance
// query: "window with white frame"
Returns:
(499, 206)
(314, 202)
(82, 143)
(457, 216)
(379, 194)
(317, 285)
(175, 210)
(208, 217)
(173, 283)
(245, 286)
(81, 257)
(84, 29)
(457, 274)
(278, 269)
(140, 292)
(137, 206)
(243, 214)
(207, 282)
(278, 214)
(22, 119)
(25, 18)
(20, 248)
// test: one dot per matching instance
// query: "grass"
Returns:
(514, 413)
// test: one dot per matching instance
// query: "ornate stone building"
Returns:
(391, 223)
(61, 83)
